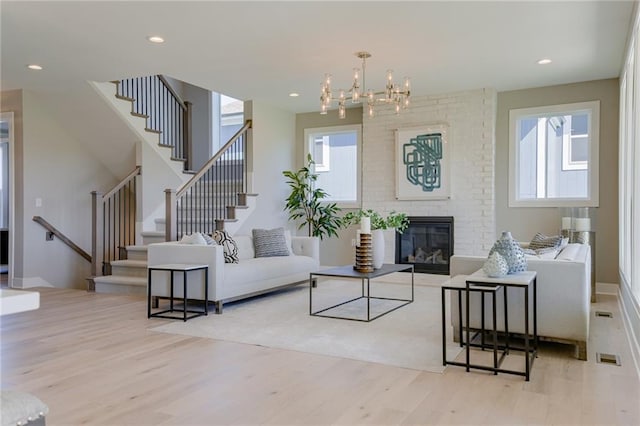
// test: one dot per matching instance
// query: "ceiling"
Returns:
(265, 50)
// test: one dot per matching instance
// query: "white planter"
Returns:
(377, 246)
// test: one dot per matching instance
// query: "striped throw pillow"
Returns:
(270, 242)
(541, 241)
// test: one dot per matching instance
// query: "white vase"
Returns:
(377, 247)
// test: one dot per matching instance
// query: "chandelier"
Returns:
(392, 94)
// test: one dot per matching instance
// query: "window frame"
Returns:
(312, 132)
(592, 199)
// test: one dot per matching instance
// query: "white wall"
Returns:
(60, 171)
(470, 117)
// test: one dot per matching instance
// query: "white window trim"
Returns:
(593, 199)
(357, 128)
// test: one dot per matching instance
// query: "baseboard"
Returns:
(631, 319)
(607, 288)
(30, 282)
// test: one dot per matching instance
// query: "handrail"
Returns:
(212, 195)
(49, 227)
(182, 189)
(173, 92)
(137, 171)
(166, 113)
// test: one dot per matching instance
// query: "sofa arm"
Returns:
(306, 246)
(175, 252)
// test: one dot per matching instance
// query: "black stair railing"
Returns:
(211, 195)
(113, 223)
(166, 113)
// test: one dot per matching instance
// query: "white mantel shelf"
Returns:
(13, 301)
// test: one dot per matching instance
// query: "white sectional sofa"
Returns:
(233, 281)
(564, 292)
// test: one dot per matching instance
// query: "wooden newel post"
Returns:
(97, 236)
(170, 215)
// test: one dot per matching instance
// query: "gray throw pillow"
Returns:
(270, 242)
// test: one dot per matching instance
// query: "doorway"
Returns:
(6, 198)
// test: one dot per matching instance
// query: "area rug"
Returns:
(409, 337)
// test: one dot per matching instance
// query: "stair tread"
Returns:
(137, 248)
(120, 279)
(130, 263)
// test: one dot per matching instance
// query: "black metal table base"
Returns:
(530, 347)
(183, 311)
(348, 272)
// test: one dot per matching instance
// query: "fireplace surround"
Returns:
(427, 244)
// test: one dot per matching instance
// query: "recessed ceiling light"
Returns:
(34, 67)
(544, 61)
(155, 39)
(294, 94)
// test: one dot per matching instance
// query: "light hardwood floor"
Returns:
(93, 360)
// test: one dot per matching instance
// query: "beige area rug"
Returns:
(409, 337)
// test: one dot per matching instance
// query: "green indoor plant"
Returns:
(305, 202)
(398, 221)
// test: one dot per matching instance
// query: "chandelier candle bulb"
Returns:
(365, 225)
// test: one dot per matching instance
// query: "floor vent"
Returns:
(608, 359)
(604, 314)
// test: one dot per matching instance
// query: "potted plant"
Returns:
(393, 220)
(305, 202)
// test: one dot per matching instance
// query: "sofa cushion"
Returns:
(270, 242)
(195, 238)
(228, 244)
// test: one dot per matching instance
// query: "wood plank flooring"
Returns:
(93, 359)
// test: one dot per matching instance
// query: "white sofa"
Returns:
(564, 292)
(233, 281)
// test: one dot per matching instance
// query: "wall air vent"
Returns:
(604, 314)
(608, 359)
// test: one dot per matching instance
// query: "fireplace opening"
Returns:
(427, 244)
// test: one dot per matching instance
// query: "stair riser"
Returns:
(128, 271)
(120, 289)
(137, 255)
(150, 239)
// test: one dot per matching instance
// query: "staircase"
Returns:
(212, 198)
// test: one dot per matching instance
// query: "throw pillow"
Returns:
(229, 246)
(541, 241)
(210, 241)
(196, 238)
(270, 242)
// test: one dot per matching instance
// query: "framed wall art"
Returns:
(422, 163)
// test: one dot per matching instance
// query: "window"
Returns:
(553, 159)
(336, 151)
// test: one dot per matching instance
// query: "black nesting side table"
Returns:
(172, 268)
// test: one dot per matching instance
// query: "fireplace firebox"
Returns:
(427, 244)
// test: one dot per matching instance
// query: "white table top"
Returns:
(12, 301)
(524, 278)
(179, 266)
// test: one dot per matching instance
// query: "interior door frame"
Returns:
(8, 117)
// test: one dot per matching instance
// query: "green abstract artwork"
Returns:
(422, 157)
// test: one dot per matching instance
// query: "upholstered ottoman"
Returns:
(21, 408)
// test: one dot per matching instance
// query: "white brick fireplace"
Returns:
(470, 117)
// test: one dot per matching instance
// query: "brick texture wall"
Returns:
(470, 117)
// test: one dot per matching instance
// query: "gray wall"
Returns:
(333, 251)
(525, 222)
(54, 166)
